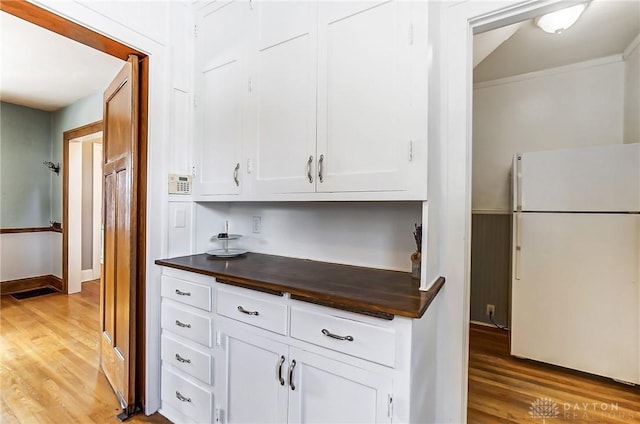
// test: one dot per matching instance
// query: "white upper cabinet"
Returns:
(220, 96)
(322, 97)
(283, 96)
(364, 139)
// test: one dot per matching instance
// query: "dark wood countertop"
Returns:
(369, 291)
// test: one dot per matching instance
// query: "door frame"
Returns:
(67, 138)
(459, 21)
(56, 23)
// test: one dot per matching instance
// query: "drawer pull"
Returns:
(293, 365)
(183, 360)
(309, 162)
(279, 376)
(181, 293)
(235, 174)
(182, 324)
(182, 398)
(335, 336)
(244, 311)
(320, 162)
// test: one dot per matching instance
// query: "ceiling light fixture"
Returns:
(559, 21)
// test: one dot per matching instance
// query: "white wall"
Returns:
(632, 92)
(56, 254)
(24, 255)
(355, 233)
(573, 106)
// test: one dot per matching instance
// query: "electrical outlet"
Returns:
(256, 224)
(491, 309)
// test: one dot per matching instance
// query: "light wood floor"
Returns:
(502, 388)
(49, 361)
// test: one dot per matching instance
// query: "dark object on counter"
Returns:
(417, 235)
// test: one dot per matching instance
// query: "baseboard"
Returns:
(24, 284)
(86, 275)
(481, 323)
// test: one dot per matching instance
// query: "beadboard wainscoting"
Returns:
(490, 265)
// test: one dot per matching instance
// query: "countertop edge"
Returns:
(315, 297)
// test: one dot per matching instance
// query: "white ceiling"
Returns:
(43, 70)
(606, 28)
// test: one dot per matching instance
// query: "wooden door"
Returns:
(118, 286)
(325, 391)
(364, 95)
(283, 98)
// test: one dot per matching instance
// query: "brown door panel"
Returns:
(118, 341)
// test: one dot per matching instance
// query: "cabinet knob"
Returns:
(309, 162)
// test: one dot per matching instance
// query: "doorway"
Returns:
(136, 358)
(460, 22)
(82, 205)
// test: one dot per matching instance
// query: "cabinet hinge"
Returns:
(390, 405)
(249, 85)
(194, 171)
(218, 415)
(195, 101)
(195, 31)
(410, 150)
(411, 34)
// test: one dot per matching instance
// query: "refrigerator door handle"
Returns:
(518, 182)
(518, 247)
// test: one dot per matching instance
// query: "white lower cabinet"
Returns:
(235, 355)
(323, 390)
(254, 373)
(270, 382)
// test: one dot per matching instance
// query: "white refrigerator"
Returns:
(575, 289)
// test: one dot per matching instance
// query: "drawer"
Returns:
(186, 397)
(359, 339)
(185, 358)
(186, 292)
(186, 323)
(252, 308)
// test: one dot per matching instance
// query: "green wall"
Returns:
(25, 183)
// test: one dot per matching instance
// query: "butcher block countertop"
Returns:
(376, 292)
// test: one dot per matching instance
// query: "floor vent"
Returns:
(34, 293)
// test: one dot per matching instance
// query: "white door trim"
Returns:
(75, 274)
(459, 22)
(97, 209)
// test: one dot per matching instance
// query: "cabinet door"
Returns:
(221, 94)
(283, 96)
(364, 95)
(254, 393)
(325, 391)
